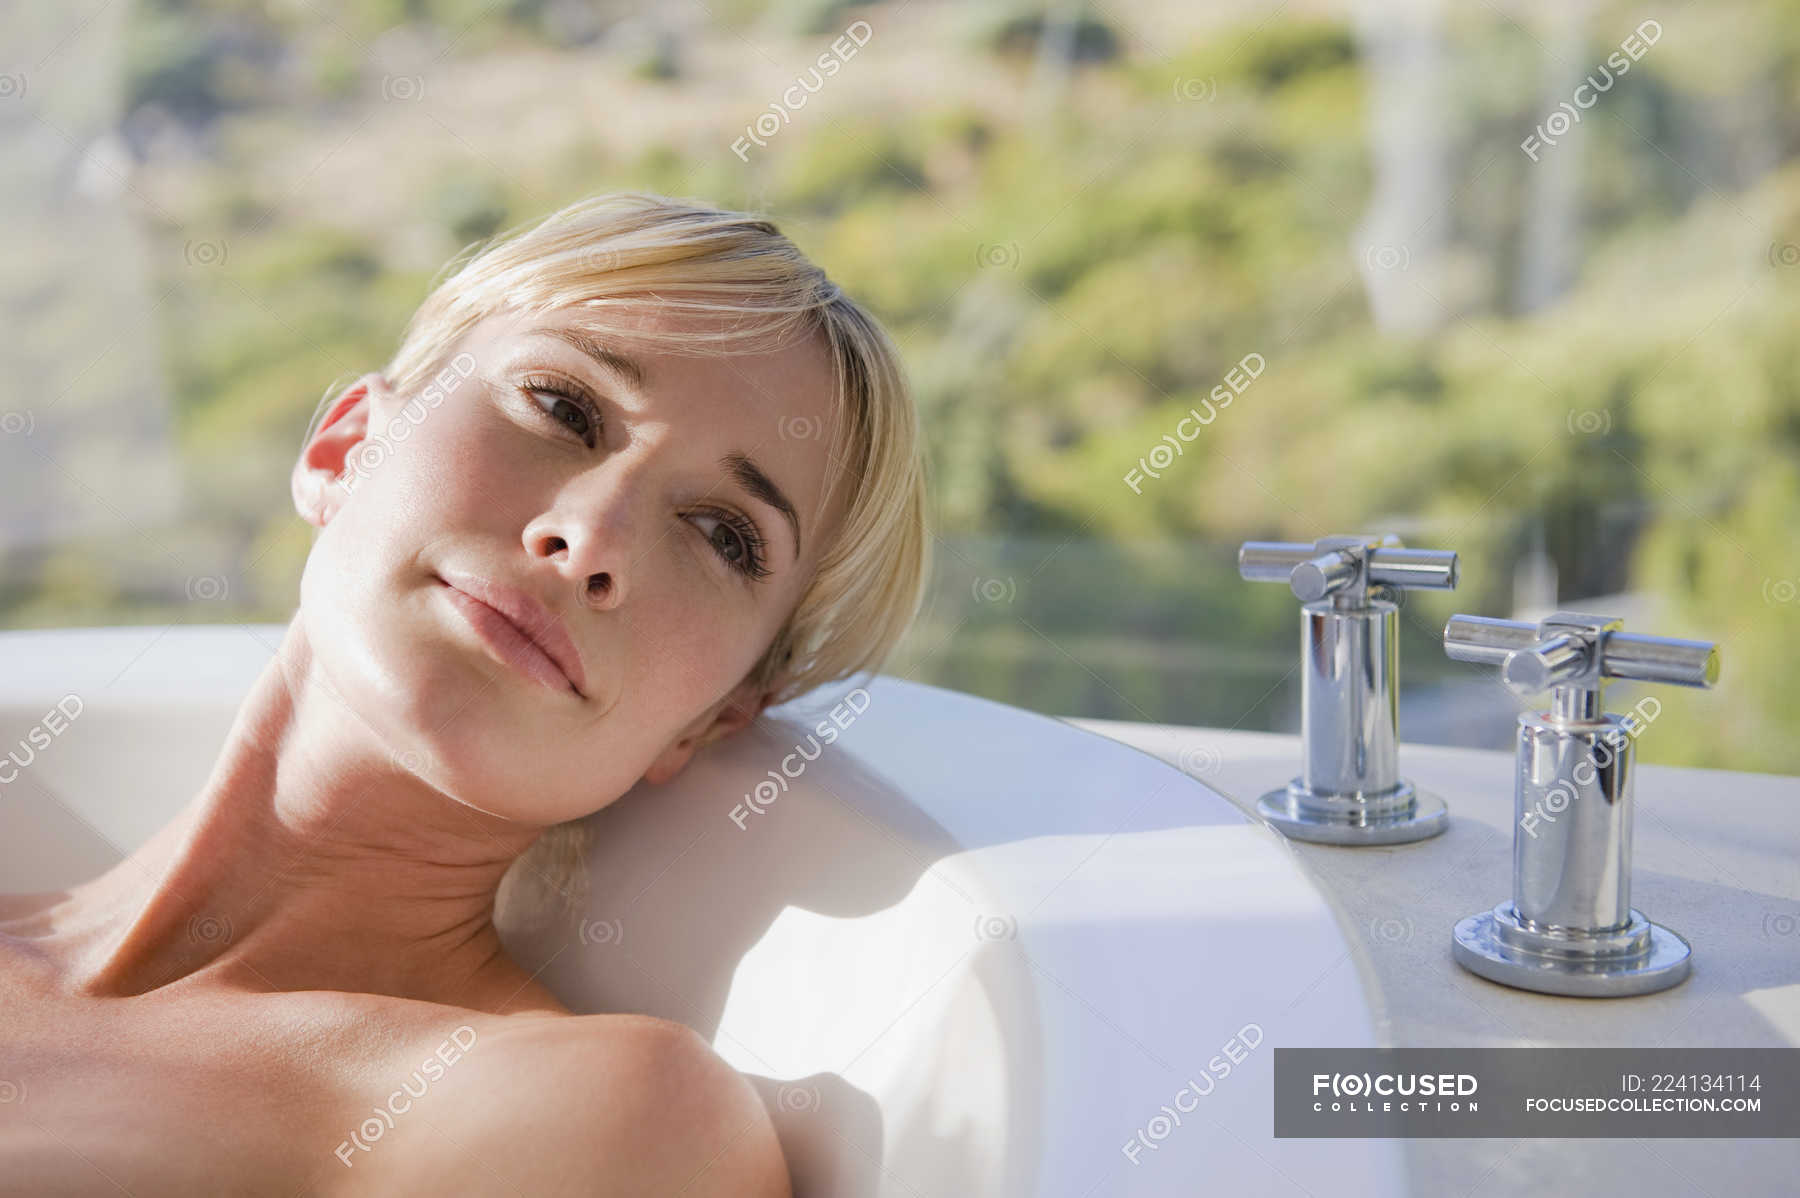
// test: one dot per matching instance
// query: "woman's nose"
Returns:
(583, 555)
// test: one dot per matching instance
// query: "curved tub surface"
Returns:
(963, 949)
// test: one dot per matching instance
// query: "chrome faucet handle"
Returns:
(1349, 569)
(1350, 790)
(1570, 927)
(1572, 654)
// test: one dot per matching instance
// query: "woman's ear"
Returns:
(321, 477)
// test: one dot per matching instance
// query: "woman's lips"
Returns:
(517, 630)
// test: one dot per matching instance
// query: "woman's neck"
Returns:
(311, 860)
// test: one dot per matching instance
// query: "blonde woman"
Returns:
(633, 474)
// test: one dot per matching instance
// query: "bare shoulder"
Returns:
(605, 1105)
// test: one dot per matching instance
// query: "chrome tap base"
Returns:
(1349, 790)
(1400, 816)
(1640, 958)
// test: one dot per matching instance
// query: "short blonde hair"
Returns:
(755, 291)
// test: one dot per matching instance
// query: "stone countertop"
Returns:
(1716, 857)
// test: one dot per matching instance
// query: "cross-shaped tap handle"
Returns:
(1346, 567)
(1572, 653)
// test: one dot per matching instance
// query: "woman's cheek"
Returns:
(467, 466)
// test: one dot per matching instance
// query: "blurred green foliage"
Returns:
(1068, 282)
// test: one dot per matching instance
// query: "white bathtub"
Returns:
(964, 950)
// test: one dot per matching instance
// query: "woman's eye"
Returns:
(737, 544)
(571, 411)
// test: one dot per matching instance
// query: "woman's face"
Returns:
(532, 479)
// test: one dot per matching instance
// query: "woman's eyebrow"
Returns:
(749, 476)
(611, 360)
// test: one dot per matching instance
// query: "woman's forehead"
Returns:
(642, 348)
(643, 330)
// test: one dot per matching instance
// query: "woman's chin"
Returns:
(446, 713)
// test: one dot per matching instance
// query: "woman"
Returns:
(632, 475)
